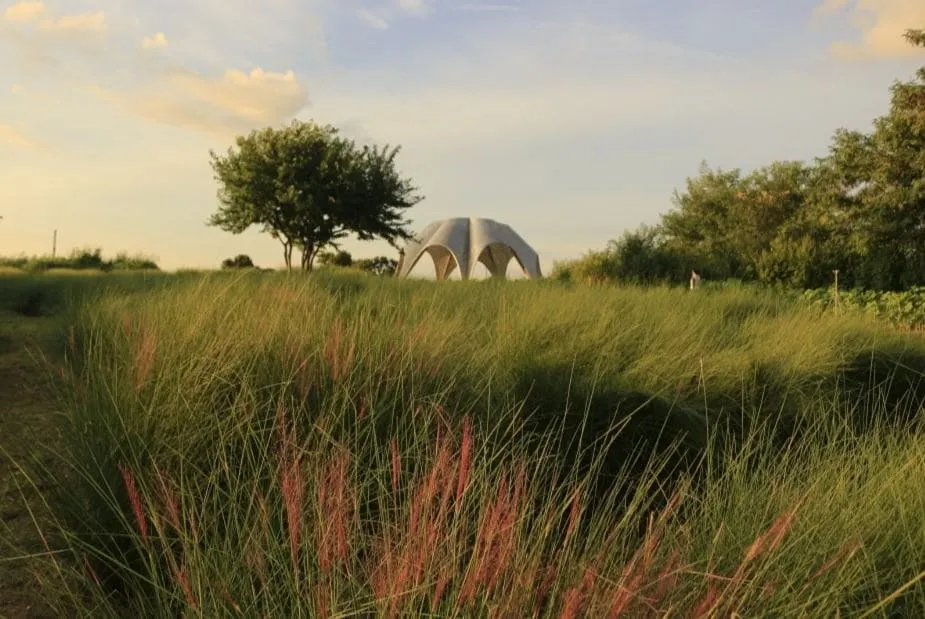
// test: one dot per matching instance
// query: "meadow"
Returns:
(339, 444)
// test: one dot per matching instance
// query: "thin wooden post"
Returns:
(837, 296)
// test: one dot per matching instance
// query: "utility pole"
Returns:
(54, 243)
(837, 298)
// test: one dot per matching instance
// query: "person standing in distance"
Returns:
(695, 280)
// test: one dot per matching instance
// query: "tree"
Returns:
(876, 189)
(241, 261)
(860, 209)
(726, 221)
(638, 257)
(643, 257)
(308, 188)
(380, 265)
(339, 258)
(700, 224)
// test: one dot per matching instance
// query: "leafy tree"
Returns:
(875, 189)
(380, 265)
(860, 209)
(700, 224)
(308, 187)
(644, 257)
(770, 198)
(563, 270)
(595, 267)
(725, 222)
(339, 258)
(640, 257)
(241, 261)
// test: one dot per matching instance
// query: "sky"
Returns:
(571, 121)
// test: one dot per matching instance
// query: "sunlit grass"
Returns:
(265, 445)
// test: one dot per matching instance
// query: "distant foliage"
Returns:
(338, 258)
(904, 309)
(380, 265)
(593, 267)
(90, 259)
(639, 257)
(859, 209)
(124, 262)
(241, 261)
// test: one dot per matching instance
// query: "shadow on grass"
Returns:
(885, 380)
(617, 433)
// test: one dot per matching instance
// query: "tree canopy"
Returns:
(378, 265)
(241, 261)
(308, 187)
(859, 209)
(339, 258)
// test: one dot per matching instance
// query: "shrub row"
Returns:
(81, 259)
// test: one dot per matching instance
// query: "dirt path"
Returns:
(25, 430)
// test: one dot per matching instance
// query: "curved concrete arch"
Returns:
(465, 242)
(496, 256)
(445, 261)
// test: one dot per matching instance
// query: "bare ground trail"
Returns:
(27, 432)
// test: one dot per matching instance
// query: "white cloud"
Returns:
(416, 7)
(11, 137)
(487, 8)
(25, 11)
(545, 82)
(881, 24)
(212, 99)
(17, 89)
(86, 22)
(233, 103)
(375, 21)
(154, 41)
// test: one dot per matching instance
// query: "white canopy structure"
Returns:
(464, 242)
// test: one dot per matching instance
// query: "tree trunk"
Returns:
(312, 256)
(287, 254)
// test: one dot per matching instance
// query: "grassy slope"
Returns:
(191, 378)
(188, 378)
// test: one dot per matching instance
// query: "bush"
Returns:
(380, 265)
(339, 258)
(241, 261)
(638, 257)
(81, 260)
(905, 309)
(124, 262)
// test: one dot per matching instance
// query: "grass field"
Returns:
(343, 445)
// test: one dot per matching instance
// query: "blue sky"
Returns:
(570, 121)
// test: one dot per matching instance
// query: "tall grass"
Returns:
(55, 291)
(344, 445)
(80, 259)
